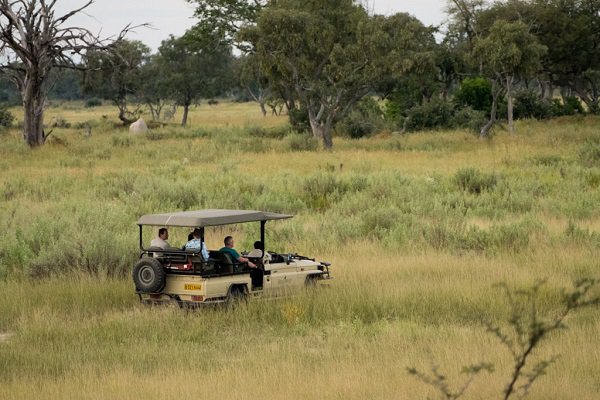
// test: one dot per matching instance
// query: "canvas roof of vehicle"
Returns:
(202, 218)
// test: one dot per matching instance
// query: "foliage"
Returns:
(434, 114)
(114, 75)
(475, 181)
(93, 102)
(193, 67)
(330, 55)
(364, 119)
(6, 118)
(476, 93)
(529, 104)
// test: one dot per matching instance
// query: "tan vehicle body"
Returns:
(191, 281)
(279, 279)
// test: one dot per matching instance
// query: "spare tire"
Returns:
(149, 275)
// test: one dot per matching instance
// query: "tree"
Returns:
(224, 18)
(116, 75)
(153, 88)
(329, 54)
(33, 42)
(507, 53)
(195, 66)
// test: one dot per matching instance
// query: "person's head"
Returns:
(163, 233)
(258, 245)
(228, 241)
(190, 236)
(197, 234)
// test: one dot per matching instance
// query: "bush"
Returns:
(529, 104)
(299, 120)
(569, 105)
(434, 114)
(302, 142)
(468, 118)
(93, 102)
(474, 181)
(475, 93)
(6, 118)
(363, 120)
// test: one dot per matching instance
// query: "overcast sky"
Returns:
(175, 16)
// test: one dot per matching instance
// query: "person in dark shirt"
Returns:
(235, 256)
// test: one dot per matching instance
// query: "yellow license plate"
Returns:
(192, 286)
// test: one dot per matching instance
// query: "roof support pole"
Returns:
(262, 235)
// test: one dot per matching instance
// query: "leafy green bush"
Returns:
(468, 118)
(474, 181)
(434, 114)
(6, 118)
(93, 102)
(475, 93)
(567, 106)
(299, 120)
(528, 104)
(363, 120)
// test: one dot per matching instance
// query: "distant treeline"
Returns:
(333, 67)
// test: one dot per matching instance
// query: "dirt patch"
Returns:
(4, 337)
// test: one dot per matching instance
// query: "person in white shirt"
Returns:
(161, 240)
(197, 244)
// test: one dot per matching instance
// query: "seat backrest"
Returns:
(225, 263)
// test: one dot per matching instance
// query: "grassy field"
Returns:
(419, 228)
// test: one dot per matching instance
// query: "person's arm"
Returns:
(204, 252)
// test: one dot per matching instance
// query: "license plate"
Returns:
(192, 286)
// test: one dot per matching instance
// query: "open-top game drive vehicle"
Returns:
(186, 277)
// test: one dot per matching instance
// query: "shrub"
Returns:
(434, 114)
(475, 93)
(529, 104)
(363, 120)
(299, 119)
(569, 105)
(299, 142)
(468, 118)
(474, 181)
(6, 118)
(93, 102)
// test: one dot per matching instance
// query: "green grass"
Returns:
(419, 229)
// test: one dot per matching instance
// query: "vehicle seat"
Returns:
(225, 264)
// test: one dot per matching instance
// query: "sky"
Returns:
(108, 17)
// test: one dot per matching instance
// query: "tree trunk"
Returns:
(509, 105)
(488, 126)
(321, 130)
(263, 110)
(186, 108)
(33, 107)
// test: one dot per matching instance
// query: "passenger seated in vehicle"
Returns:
(233, 254)
(161, 240)
(258, 252)
(196, 244)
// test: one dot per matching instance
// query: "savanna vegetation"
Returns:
(420, 228)
(456, 258)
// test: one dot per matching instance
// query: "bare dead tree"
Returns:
(33, 42)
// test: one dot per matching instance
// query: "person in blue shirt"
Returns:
(235, 256)
(196, 244)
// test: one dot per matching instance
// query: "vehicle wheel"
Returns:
(235, 296)
(149, 275)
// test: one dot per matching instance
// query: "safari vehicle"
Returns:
(184, 277)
